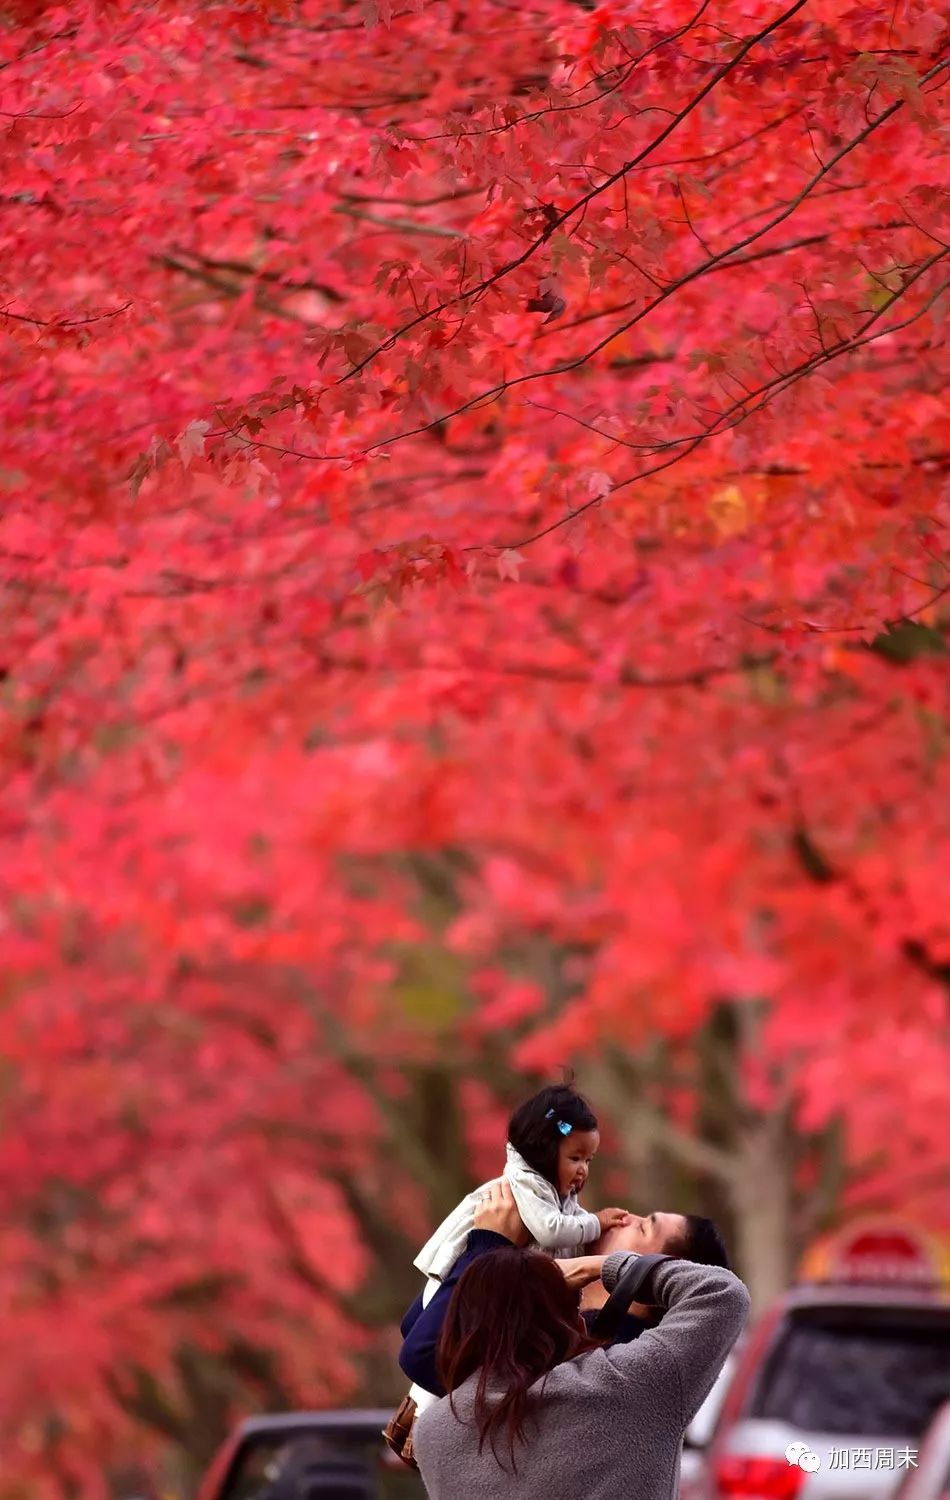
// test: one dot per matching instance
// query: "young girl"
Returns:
(552, 1139)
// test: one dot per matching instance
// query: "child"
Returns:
(552, 1139)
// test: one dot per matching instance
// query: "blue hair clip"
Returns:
(562, 1125)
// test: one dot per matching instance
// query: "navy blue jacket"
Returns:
(421, 1326)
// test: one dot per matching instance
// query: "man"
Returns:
(498, 1223)
(685, 1236)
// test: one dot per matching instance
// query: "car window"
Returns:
(302, 1467)
(863, 1372)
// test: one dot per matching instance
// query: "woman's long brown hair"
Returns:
(511, 1319)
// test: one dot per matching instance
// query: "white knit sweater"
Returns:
(556, 1224)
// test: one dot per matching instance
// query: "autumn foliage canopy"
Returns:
(475, 593)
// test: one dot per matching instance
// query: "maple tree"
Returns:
(475, 594)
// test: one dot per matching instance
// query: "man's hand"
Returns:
(499, 1213)
(581, 1270)
(613, 1218)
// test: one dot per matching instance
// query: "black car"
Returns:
(319, 1455)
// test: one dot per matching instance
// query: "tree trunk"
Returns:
(760, 1198)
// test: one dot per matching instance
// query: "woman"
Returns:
(536, 1409)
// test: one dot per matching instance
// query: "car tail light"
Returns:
(741, 1478)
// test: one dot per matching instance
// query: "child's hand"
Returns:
(613, 1218)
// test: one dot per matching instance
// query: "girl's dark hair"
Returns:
(511, 1319)
(536, 1136)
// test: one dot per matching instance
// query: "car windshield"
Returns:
(861, 1371)
(303, 1466)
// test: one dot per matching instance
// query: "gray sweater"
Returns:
(608, 1425)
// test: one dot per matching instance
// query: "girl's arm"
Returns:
(545, 1220)
(417, 1355)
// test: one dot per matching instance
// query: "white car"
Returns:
(831, 1395)
(698, 1434)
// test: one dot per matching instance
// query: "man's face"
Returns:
(649, 1234)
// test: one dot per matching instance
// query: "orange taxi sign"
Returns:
(880, 1252)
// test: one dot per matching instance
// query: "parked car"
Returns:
(699, 1433)
(335, 1455)
(930, 1480)
(835, 1387)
